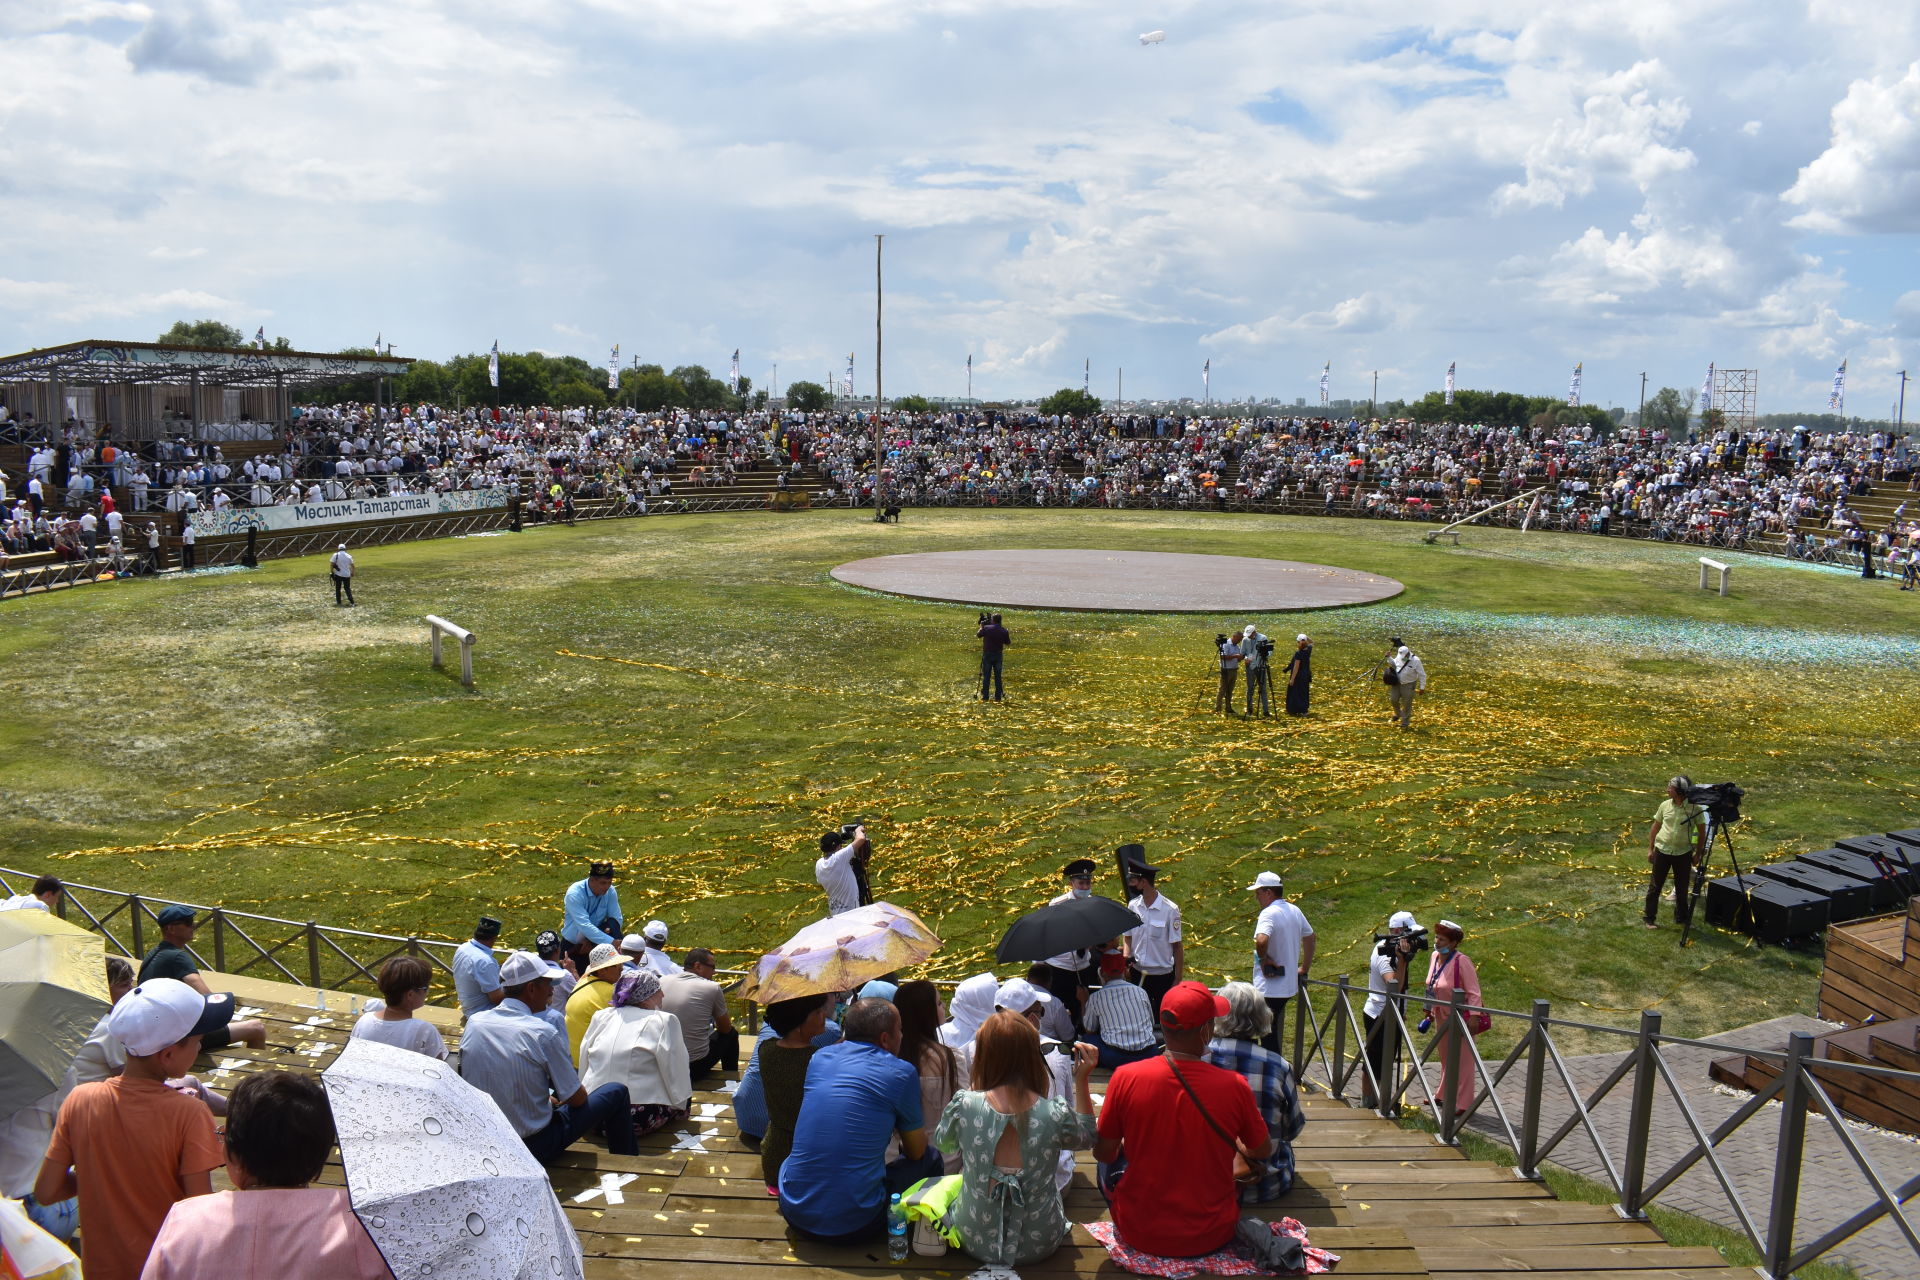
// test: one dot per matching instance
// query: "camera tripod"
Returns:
(1699, 886)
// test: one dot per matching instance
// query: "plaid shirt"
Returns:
(1271, 1080)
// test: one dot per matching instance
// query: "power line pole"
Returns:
(879, 452)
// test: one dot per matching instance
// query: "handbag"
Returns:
(1246, 1168)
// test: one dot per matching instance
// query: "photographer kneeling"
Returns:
(1387, 977)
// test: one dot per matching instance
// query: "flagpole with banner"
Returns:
(1837, 399)
(733, 376)
(969, 375)
(260, 337)
(1206, 381)
(1573, 388)
(1450, 368)
(1326, 382)
(493, 375)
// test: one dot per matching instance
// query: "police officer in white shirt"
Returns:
(342, 566)
(1155, 950)
(1282, 949)
(1070, 973)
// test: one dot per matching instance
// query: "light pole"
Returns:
(1900, 414)
(1640, 419)
(1375, 396)
(879, 453)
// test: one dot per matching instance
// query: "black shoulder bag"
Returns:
(1245, 1167)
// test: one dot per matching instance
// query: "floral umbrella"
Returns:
(840, 953)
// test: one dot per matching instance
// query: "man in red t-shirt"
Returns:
(1177, 1198)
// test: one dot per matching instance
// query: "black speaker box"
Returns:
(1892, 848)
(1887, 893)
(1910, 836)
(1849, 899)
(1768, 909)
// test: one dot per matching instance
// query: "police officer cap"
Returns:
(1142, 870)
(1077, 868)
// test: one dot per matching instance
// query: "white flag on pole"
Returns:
(1086, 376)
(1206, 379)
(733, 378)
(493, 365)
(1450, 366)
(1706, 391)
(260, 337)
(1326, 381)
(1837, 401)
(376, 341)
(846, 383)
(1573, 388)
(613, 369)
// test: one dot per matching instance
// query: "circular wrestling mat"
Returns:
(1124, 581)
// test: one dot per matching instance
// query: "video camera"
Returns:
(985, 617)
(1265, 646)
(1721, 800)
(1388, 944)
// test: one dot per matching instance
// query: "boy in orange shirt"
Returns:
(130, 1146)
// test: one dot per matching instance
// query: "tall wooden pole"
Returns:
(879, 450)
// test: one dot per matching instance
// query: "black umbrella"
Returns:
(1073, 925)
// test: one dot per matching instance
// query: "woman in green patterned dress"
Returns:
(1009, 1134)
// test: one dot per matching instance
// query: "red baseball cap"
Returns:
(1190, 1006)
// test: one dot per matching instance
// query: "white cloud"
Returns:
(1367, 313)
(1868, 178)
(1623, 128)
(197, 38)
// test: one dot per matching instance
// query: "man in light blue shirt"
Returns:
(514, 1056)
(476, 975)
(591, 913)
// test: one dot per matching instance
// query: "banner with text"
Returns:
(307, 515)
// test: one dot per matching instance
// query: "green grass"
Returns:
(1682, 1230)
(696, 699)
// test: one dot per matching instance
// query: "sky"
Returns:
(1515, 187)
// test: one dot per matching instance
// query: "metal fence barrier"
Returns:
(1329, 1044)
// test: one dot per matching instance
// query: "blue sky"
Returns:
(1512, 186)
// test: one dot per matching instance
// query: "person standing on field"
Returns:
(342, 568)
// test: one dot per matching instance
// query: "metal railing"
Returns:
(1330, 1050)
(303, 953)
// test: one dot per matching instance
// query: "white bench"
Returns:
(1434, 535)
(1706, 565)
(437, 626)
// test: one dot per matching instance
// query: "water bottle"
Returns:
(896, 1230)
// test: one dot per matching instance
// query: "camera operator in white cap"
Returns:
(1405, 674)
(1282, 949)
(1256, 652)
(1387, 976)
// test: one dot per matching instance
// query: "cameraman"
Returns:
(1229, 671)
(1256, 653)
(1387, 977)
(841, 868)
(1675, 844)
(994, 640)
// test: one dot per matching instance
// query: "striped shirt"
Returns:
(1121, 1015)
(514, 1056)
(1271, 1080)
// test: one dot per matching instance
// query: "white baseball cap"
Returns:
(1017, 995)
(524, 966)
(656, 931)
(1265, 880)
(163, 1011)
(1402, 920)
(633, 944)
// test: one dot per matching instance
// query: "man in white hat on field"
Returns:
(341, 565)
(1282, 950)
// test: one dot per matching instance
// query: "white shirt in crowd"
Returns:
(1285, 926)
(416, 1035)
(835, 874)
(1152, 943)
(23, 902)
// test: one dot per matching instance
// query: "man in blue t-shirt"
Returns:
(834, 1185)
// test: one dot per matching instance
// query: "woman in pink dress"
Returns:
(1449, 970)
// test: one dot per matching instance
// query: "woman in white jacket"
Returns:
(636, 1043)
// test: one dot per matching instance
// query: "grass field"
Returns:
(696, 699)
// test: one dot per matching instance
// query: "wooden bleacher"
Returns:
(1389, 1201)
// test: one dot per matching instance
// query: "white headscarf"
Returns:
(972, 1005)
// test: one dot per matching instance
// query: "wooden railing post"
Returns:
(139, 942)
(1341, 1012)
(1633, 1175)
(220, 939)
(1536, 1083)
(313, 953)
(1787, 1153)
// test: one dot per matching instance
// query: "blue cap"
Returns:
(878, 989)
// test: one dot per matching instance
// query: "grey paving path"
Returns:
(1832, 1187)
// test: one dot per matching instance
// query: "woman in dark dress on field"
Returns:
(1299, 676)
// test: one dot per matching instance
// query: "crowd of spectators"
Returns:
(1714, 488)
